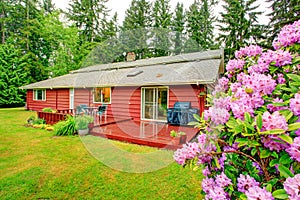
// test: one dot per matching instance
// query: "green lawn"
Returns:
(36, 165)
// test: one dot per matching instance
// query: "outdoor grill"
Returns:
(182, 113)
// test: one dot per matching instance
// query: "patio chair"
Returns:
(78, 110)
(101, 111)
(84, 108)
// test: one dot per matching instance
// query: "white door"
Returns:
(154, 103)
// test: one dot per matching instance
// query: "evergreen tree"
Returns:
(239, 25)
(47, 6)
(162, 26)
(89, 17)
(178, 26)
(200, 23)
(137, 15)
(135, 34)
(283, 12)
(12, 76)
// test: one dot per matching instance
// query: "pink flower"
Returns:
(282, 58)
(295, 104)
(208, 184)
(273, 108)
(274, 121)
(222, 180)
(292, 187)
(280, 79)
(188, 151)
(252, 50)
(235, 65)
(217, 115)
(294, 149)
(255, 193)
(288, 35)
(245, 182)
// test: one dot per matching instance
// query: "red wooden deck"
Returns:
(153, 134)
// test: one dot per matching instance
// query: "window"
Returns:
(102, 95)
(39, 95)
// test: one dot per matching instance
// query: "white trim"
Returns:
(72, 98)
(93, 93)
(44, 95)
(155, 96)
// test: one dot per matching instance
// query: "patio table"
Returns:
(91, 110)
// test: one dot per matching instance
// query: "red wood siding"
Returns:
(187, 93)
(56, 99)
(126, 101)
(82, 96)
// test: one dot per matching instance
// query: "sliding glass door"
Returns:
(154, 103)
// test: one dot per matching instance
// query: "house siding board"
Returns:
(185, 93)
(55, 99)
(126, 102)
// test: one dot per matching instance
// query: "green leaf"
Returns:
(293, 127)
(286, 138)
(239, 128)
(280, 194)
(285, 172)
(242, 141)
(273, 132)
(287, 114)
(253, 151)
(269, 188)
(247, 117)
(243, 197)
(231, 123)
(285, 159)
(253, 143)
(294, 77)
(265, 153)
(259, 121)
(273, 162)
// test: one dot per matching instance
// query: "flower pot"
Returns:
(182, 139)
(91, 126)
(83, 132)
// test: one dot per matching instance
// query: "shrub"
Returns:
(66, 127)
(250, 145)
(49, 110)
(39, 121)
(82, 121)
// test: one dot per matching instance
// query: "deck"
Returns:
(154, 134)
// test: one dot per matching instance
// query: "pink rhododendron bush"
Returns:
(249, 144)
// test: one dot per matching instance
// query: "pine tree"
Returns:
(239, 25)
(283, 12)
(135, 34)
(137, 15)
(162, 26)
(200, 23)
(47, 6)
(178, 26)
(12, 76)
(89, 17)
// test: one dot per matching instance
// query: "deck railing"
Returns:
(53, 118)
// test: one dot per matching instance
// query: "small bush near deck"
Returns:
(67, 127)
(50, 110)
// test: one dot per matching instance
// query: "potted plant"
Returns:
(90, 121)
(82, 125)
(181, 135)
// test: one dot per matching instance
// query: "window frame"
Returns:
(35, 94)
(101, 100)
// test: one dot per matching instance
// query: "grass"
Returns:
(36, 165)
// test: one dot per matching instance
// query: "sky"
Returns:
(120, 6)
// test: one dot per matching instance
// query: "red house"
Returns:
(142, 89)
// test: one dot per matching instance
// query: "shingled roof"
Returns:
(191, 68)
